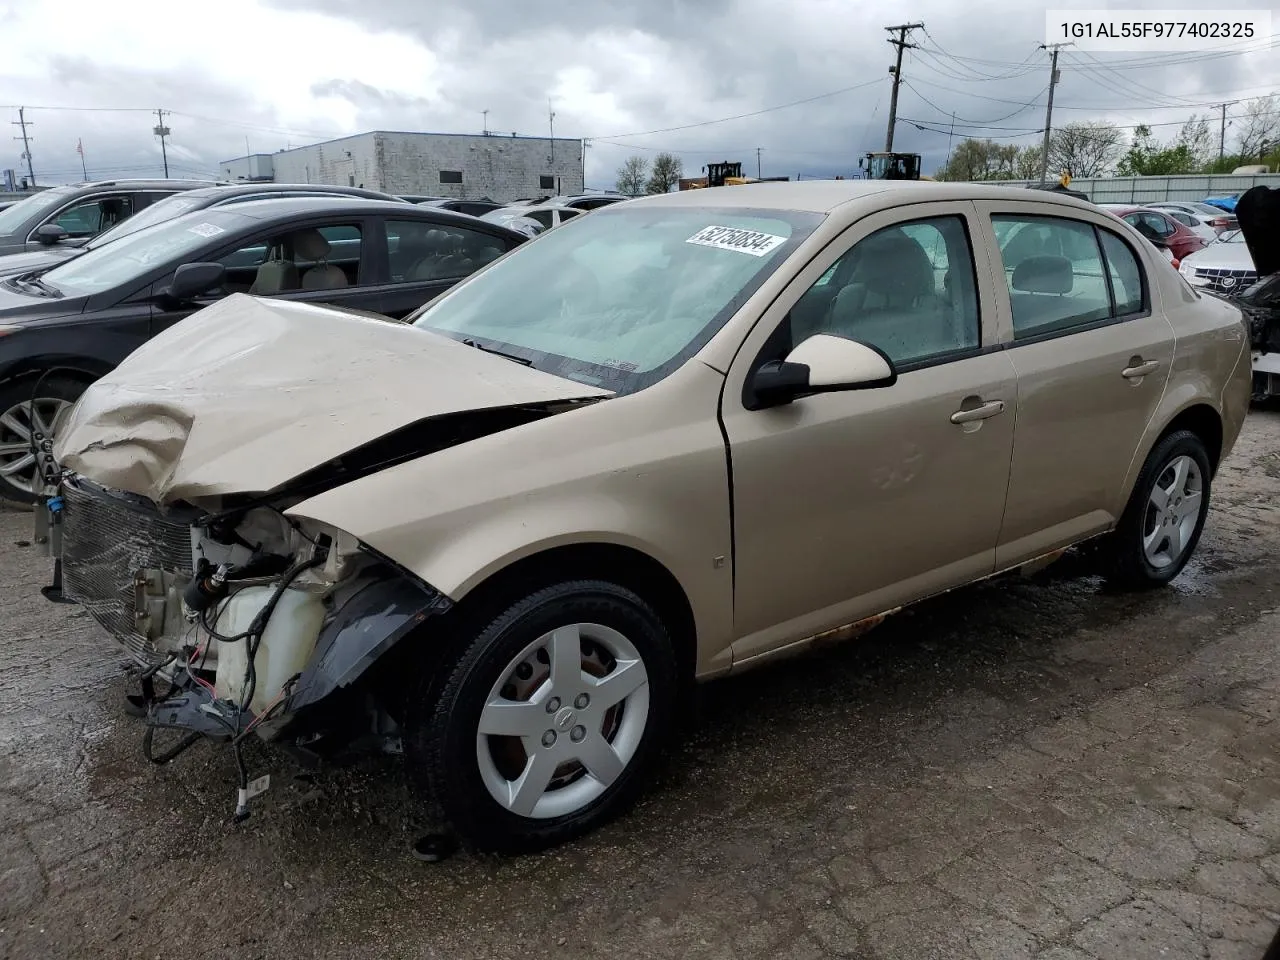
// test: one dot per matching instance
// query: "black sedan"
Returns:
(54, 248)
(64, 327)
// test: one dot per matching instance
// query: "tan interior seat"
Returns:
(311, 245)
(275, 275)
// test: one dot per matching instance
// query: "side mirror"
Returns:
(821, 364)
(192, 279)
(50, 233)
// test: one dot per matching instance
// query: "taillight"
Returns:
(1219, 224)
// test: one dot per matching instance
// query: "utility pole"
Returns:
(951, 133)
(551, 115)
(486, 122)
(759, 175)
(161, 131)
(26, 145)
(1222, 128)
(900, 41)
(1054, 77)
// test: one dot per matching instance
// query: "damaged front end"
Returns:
(254, 623)
(1259, 214)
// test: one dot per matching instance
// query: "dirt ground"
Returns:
(1028, 769)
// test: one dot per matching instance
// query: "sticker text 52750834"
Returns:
(734, 238)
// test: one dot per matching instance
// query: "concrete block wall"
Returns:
(500, 167)
(351, 161)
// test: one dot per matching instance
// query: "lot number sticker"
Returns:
(206, 229)
(734, 238)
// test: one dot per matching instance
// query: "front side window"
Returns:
(91, 217)
(908, 289)
(286, 261)
(626, 296)
(1057, 277)
(422, 251)
(13, 218)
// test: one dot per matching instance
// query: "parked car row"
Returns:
(676, 438)
(81, 289)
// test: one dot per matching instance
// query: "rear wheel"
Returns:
(550, 722)
(20, 416)
(1162, 523)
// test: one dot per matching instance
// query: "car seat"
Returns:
(276, 274)
(311, 245)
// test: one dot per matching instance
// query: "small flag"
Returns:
(80, 147)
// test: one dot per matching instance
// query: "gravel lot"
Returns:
(1024, 769)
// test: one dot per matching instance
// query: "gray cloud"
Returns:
(616, 67)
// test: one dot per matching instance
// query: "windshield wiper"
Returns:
(36, 283)
(510, 356)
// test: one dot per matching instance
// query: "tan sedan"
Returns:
(666, 442)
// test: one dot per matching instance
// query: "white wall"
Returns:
(500, 167)
(346, 162)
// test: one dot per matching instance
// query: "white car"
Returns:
(1224, 266)
(1199, 224)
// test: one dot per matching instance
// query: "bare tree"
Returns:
(632, 176)
(1086, 149)
(666, 172)
(1259, 127)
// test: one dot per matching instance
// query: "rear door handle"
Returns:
(989, 409)
(1140, 370)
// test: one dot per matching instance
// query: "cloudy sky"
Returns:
(633, 76)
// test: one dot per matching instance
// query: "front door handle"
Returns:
(1139, 369)
(990, 409)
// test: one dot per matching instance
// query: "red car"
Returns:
(1160, 228)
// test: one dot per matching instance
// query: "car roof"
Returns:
(248, 189)
(139, 185)
(827, 196)
(286, 208)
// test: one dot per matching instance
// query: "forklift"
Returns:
(891, 166)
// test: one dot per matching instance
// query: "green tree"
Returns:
(1147, 157)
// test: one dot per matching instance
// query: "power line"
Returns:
(1021, 69)
(1095, 107)
(967, 121)
(740, 116)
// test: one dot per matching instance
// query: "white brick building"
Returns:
(459, 165)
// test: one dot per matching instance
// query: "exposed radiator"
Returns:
(106, 539)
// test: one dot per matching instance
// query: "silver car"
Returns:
(1224, 266)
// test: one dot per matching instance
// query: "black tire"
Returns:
(19, 392)
(443, 716)
(1126, 564)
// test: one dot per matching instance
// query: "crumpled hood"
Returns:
(249, 393)
(1258, 212)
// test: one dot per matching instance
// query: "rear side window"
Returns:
(1059, 277)
(421, 251)
(1126, 274)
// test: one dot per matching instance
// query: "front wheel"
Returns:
(1162, 523)
(20, 414)
(550, 722)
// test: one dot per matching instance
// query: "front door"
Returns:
(1092, 356)
(848, 504)
(320, 262)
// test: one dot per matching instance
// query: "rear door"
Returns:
(425, 258)
(1092, 354)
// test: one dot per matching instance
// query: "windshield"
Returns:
(13, 218)
(130, 258)
(169, 208)
(1232, 236)
(621, 298)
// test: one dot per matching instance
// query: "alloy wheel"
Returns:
(17, 463)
